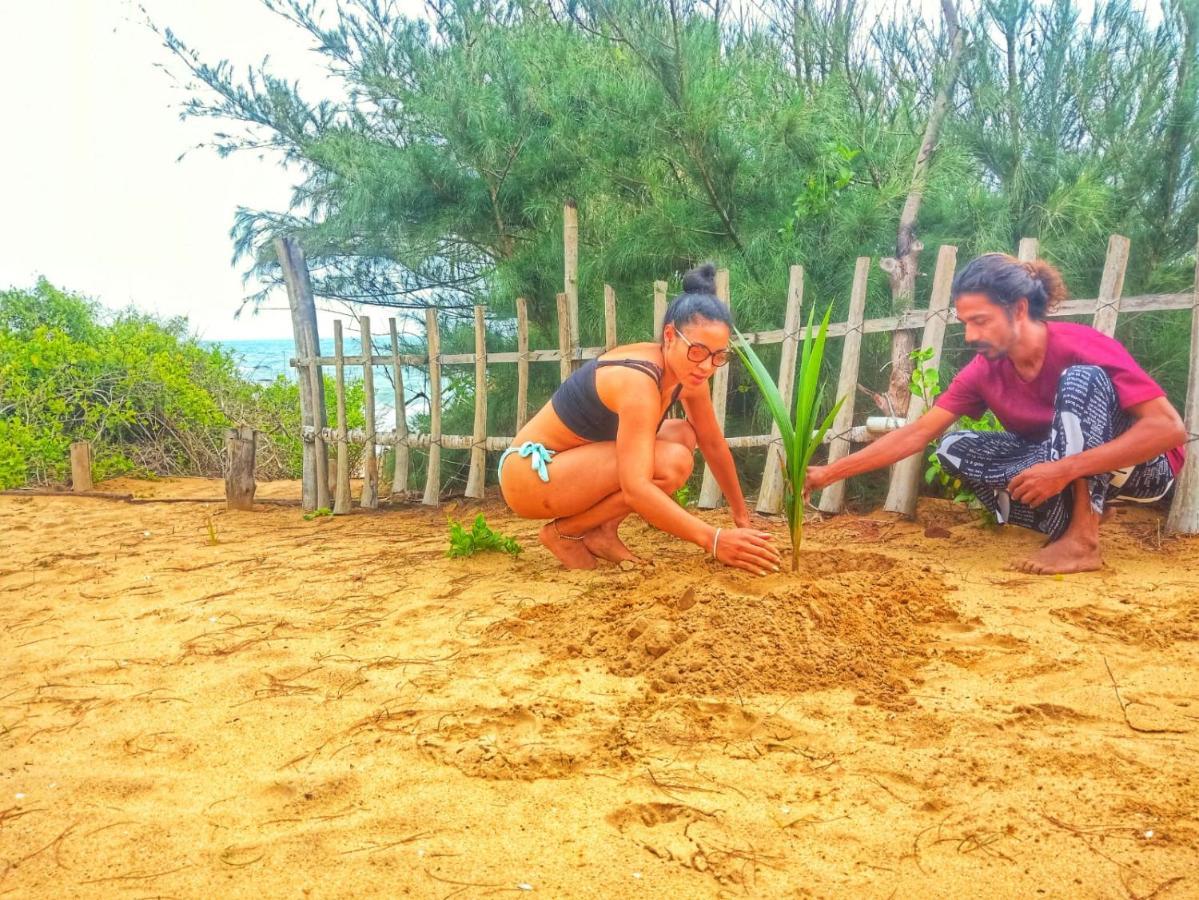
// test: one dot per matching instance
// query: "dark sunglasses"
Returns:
(697, 353)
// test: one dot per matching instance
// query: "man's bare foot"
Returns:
(605, 542)
(1061, 557)
(573, 554)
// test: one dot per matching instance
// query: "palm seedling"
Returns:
(801, 436)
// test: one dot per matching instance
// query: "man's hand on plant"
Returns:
(817, 479)
(1038, 483)
(748, 549)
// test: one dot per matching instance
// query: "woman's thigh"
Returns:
(581, 477)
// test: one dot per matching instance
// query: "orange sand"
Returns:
(331, 708)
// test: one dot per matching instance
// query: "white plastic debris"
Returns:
(636, 874)
(145, 534)
(524, 886)
(1149, 833)
(19, 796)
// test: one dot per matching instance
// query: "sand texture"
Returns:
(200, 703)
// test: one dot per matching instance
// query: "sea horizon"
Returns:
(262, 360)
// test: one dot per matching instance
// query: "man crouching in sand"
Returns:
(1084, 423)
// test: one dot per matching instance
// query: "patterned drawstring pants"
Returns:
(1086, 413)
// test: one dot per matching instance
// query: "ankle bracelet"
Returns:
(565, 537)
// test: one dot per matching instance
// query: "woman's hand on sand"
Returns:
(748, 549)
(748, 519)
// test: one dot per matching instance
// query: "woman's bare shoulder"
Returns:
(646, 350)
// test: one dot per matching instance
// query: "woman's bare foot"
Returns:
(573, 554)
(1061, 557)
(604, 541)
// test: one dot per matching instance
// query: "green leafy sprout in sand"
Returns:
(801, 435)
(480, 537)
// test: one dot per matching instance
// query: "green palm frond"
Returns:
(800, 435)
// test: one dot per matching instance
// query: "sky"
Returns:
(94, 195)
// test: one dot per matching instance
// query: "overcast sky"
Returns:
(94, 195)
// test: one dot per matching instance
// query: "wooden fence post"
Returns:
(81, 467)
(770, 496)
(240, 445)
(399, 479)
(709, 492)
(832, 498)
(905, 474)
(1029, 247)
(433, 478)
(609, 317)
(477, 477)
(341, 498)
(570, 242)
(322, 465)
(522, 363)
(659, 308)
(370, 460)
(315, 491)
(1184, 509)
(1111, 286)
(564, 345)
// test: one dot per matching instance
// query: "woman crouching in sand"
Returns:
(603, 447)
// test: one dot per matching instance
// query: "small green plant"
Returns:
(480, 537)
(317, 513)
(683, 496)
(212, 540)
(926, 384)
(802, 436)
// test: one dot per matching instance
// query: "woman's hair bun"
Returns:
(700, 280)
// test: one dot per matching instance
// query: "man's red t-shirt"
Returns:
(1026, 407)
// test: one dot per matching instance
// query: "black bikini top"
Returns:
(578, 404)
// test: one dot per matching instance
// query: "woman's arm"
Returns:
(714, 448)
(636, 440)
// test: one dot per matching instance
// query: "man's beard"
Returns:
(988, 350)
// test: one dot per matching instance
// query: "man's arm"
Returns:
(887, 450)
(1156, 428)
(714, 448)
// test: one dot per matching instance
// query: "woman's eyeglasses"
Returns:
(697, 352)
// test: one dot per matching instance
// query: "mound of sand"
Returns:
(847, 619)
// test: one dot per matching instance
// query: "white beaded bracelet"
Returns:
(715, 543)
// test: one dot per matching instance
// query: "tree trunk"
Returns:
(902, 268)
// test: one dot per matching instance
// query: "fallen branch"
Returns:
(1124, 709)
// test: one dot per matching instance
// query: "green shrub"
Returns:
(147, 396)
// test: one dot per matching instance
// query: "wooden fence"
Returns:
(905, 476)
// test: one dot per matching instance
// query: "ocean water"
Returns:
(264, 360)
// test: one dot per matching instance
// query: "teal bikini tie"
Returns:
(538, 457)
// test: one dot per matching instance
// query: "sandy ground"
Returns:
(278, 707)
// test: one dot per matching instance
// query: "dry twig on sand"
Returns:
(1124, 704)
